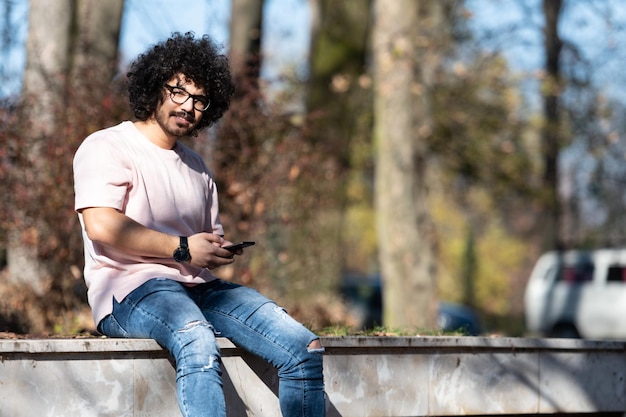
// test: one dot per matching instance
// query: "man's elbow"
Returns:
(95, 233)
(99, 225)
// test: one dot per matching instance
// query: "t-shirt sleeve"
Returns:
(102, 174)
(214, 214)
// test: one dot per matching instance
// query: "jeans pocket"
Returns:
(109, 326)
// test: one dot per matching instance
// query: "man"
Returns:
(152, 233)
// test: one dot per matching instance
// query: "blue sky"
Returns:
(286, 28)
(594, 24)
(596, 27)
(145, 23)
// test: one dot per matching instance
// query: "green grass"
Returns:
(380, 331)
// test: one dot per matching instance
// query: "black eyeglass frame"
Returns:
(196, 98)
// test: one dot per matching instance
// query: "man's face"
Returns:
(175, 119)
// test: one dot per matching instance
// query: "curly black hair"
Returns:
(199, 60)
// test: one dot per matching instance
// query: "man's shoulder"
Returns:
(113, 136)
(107, 140)
(122, 129)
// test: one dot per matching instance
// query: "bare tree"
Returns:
(246, 28)
(43, 94)
(406, 55)
(71, 53)
(339, 104)
(94, 45)
(398, 196)
(552, 87)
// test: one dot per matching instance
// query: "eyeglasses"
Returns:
(180, 96)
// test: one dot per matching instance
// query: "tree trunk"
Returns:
(551, 92)
(404, 62)
(95, 37)
(340, 102)
(246, 28)
(70, 53)
(42, 97)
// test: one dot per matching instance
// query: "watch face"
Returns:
(181, 255)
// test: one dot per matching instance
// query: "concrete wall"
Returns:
(365, 377)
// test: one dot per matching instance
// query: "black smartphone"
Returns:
(239, 245)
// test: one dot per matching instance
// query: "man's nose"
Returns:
(188, 105)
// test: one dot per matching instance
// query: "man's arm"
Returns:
(111, 228)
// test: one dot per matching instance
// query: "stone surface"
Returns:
(365, 377)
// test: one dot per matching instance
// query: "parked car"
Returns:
(458, 318)
(364, 298)
(578, 294)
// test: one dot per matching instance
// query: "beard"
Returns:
(170, 124)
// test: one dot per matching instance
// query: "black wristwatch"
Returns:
(181, 254)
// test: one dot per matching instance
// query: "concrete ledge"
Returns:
(365, 377)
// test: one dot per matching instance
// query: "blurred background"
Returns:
(401, 164)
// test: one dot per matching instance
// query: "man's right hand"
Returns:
(207, 252)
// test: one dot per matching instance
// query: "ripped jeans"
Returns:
(185, 321)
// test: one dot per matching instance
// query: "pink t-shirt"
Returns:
(171, 191)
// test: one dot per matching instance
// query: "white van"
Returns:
(578, 294)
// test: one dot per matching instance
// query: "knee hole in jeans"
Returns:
(192, 325)
(315, 346)
(194, 332)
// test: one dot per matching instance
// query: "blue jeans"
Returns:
(185, 321)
